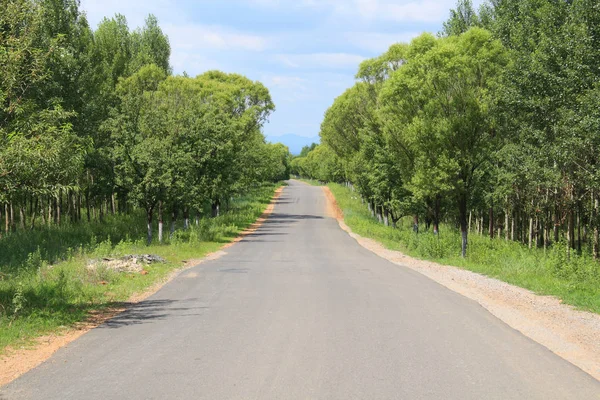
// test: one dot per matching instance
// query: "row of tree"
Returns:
(93, 121)
(494, 122)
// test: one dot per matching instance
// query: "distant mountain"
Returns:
(294, 142)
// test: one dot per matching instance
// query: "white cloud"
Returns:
(320, 60)
(135, 10)
(378, 42)
(385, 10)
(196, 37)
(285, 82)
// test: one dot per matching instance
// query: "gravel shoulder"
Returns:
(572, 334)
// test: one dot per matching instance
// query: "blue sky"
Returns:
(305, 51)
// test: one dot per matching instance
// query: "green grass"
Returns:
(575, 281)
(45, 286)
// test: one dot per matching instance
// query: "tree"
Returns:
(437, 106)
(141, 155)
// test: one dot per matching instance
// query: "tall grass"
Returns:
(576, 280)
(46, 286)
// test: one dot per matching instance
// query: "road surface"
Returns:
(299, 310)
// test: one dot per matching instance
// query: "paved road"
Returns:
(299, 310)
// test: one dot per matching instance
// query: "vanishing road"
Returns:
(299, 310)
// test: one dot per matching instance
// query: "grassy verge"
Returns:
(575, 281)
(46, 287)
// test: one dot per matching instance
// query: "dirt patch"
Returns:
(572, 334)
(333, 210)
(16, 362)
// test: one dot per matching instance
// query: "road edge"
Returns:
(567, 332)
(21, 361)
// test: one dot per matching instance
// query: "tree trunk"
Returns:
(416, 223)
(379, 216)
(149, 212)
(512, 228)
(506, 220)
(556, 216)
(530, 231)
(579, 229)
(470, 218)
(33, 214)
(215, 209)
(491, 221)
(464, 229)
(113, 208)
(596, 240)
(174, 215)
(571, 227)
(386, 217)
(22, 217)
(186, 218)
(87, 205)
(58, 207)
(160, 222)
(6, 219)
(436, 215)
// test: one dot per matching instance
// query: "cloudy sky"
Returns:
(305, 51)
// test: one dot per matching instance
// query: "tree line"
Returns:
(492, 125)
(93, 122)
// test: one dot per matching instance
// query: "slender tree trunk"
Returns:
(579, 229)
(491, 221)
(22, 217)
(160, 221)
(556, 216)
(113, 208)
(78, 208)
(101, 207)
(149, 212)
(512, 227)
(506, 220)
(594, 224)
(173, 219)
(470, 218)
(436, 215)
(186, 218)
(13, 226)
(33, 214)
(215, 209)
(379, 216)
(571, 240)
(464, 229)
(6, 219)
(530, 231)
(386, 217)
(87, 205)
(58, 207)
(416, 223)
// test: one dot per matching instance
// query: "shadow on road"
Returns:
(149, 311)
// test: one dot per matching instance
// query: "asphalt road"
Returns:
(299, 310)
